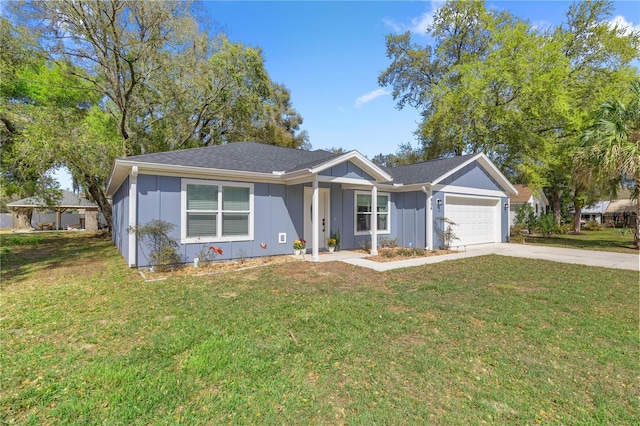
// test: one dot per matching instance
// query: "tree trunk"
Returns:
(577, 216)
(556, 206)
(96, 192)
(636, 237)
(23, 218)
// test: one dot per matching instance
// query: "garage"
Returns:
(477, 220)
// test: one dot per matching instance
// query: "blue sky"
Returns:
(329, 55)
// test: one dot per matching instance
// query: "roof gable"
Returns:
(425, 172)
(436, 171)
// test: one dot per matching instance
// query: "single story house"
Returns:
(87, 211)
(535, 198)
(252, 199)
(595, 212)
(622, 210)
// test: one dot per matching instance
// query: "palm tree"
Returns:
(610, 149)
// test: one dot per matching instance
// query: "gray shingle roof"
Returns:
(425, 172)
(242, 156)
(68, 200)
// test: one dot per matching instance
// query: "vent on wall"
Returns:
(282, 238)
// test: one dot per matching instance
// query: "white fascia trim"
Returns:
(153, 168)
(360, 160)
(343, 180)
(414, 187)
(489, 166)
(452, 189)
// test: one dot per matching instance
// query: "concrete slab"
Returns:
(601, 259)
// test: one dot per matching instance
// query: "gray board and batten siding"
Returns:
(278, 208)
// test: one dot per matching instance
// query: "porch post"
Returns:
(374, 220)
(315, 256)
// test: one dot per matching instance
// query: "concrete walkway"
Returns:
(602, 259)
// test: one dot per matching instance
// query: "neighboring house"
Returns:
(252, 199)
(536, 199)
(595, 212)
(624, 210)
(87, 210)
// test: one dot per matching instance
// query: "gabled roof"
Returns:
(240, 156)
(435, 171)
(426, 172)
(241, 159)
(622, 206)
(69, 200)
(525, 193)
(252, 160)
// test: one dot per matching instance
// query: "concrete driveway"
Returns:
(602, 259)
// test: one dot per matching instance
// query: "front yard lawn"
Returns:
(606, 239)
(493, 340)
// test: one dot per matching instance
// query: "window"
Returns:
(364, 213)
(220, 211)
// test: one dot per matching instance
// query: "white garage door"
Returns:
(477, 220)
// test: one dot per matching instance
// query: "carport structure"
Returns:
(68, 201)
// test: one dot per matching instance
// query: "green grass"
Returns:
(606, 239)
(486, 340)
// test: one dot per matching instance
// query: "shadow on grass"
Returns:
(25, 254)
(607, 240)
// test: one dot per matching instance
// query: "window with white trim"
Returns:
(216, 211)
(364, 212)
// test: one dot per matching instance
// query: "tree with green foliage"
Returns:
(494, 83)
(153, 80)
(610, 148)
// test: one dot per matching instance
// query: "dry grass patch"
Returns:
(392, 254)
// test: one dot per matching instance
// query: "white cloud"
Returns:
(368, 97)
(626, 26)
(419, 24)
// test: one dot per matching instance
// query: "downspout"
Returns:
(133, 215)
(429, 224)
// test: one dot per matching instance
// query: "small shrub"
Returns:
(619, 225)
(446, 233)
(526, 216)
(241, 254)
(547, 225)
(387, 242)
(365, 245)
(593, 225)
(336, 236)
(162, 248)
(410, 252)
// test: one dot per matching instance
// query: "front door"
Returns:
(323, 217)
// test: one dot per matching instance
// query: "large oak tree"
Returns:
(492, 82)
(154, 79)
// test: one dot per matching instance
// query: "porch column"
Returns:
(315, 256)
(374, 220)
